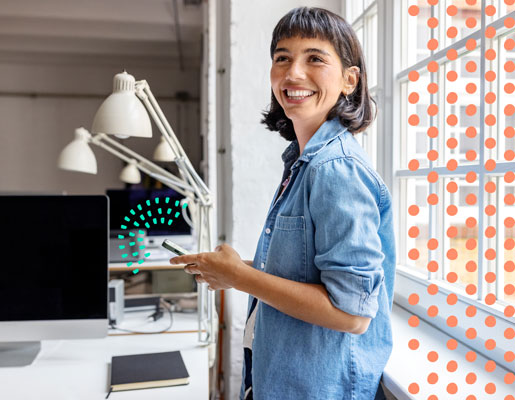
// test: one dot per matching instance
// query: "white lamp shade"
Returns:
(122, 113)
(77, 155)
(163, 151)
(130, 174)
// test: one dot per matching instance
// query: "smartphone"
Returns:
(174, 248)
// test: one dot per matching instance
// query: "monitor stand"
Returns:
(18, 354)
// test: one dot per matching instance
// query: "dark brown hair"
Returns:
(357, 110)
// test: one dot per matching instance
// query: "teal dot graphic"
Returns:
(135, 244)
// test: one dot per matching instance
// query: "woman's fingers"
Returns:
(200, 279)
(186, 259)
(191, 270)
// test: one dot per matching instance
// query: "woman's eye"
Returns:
(315, 59)
(280, 58)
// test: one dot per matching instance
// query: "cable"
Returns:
(112, 326)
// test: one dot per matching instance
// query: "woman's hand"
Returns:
(220, 269)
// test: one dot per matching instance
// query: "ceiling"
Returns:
(103, 30)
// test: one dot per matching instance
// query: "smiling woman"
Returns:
(321, 282)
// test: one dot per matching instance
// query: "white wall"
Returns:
(43, 100)
(252, 164)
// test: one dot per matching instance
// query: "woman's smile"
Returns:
(297, 95)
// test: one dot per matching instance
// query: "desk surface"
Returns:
(80, 369)
(146, 266)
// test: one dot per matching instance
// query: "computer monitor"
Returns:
(122, 201)
(54, 275)
(153, 210)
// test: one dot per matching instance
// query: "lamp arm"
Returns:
(179, 187)
(183, 163)
(186, 175)
(155, 170)
(207, 316)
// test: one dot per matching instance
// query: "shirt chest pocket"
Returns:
(287, 251)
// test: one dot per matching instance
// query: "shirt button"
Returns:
(267, 231)
(262, 265)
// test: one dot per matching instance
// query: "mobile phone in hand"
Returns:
(174, 248)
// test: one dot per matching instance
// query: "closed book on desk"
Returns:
(143, 371)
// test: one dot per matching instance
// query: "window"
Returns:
(454, 179)
(444, 79)
(362, 14)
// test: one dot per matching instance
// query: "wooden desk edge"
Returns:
(151, 333)
(164, 267)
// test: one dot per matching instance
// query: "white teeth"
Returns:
(299, 93)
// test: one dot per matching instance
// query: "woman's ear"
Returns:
(350, 80)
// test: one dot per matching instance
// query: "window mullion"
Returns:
(442, 104)
(432, 186)
(499, 239)
(481, 175)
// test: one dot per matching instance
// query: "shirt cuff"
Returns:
(351, 293)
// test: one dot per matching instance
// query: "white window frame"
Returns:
(368, 138)
(408, 280)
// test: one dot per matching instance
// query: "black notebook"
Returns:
(142, 371)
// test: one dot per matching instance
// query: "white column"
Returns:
(250, 169)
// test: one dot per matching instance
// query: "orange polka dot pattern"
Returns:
(467, 389)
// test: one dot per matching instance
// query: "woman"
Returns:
(321, 282)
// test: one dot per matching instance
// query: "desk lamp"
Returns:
(125, 113)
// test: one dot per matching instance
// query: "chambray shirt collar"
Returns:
(329, 131)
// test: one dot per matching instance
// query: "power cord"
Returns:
(155, 316)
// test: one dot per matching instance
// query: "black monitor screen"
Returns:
(55, 257)
(157, 211)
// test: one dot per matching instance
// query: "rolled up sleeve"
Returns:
(344, 206)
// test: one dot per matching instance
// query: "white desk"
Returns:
(80, 369)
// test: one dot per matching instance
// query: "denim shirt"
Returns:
(332, 225)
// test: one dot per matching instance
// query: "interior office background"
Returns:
(208, 64)
(208, 69)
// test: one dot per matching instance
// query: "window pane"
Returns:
(506, 7)
(506, 122)
(414, 33)
(507, 266)
(461, 19)
(371, 48)
(354, 9)
(414, 122)
(460, 123)
(368, 2)
(359, 34)
(491, 248)
(460, 234)
(493, 115)
(370, 140)
(415, 228)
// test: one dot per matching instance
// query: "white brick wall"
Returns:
(254, 153)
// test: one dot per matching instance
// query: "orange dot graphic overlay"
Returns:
(465, 105)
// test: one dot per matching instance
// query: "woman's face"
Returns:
(307, 78)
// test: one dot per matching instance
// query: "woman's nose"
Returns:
(296, 71)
